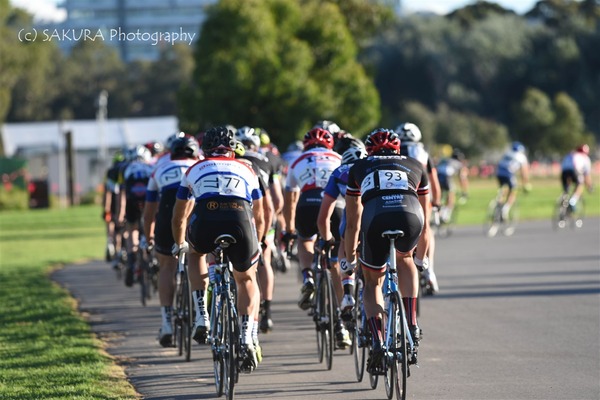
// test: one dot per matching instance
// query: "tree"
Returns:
(272, 64)
(532, 117)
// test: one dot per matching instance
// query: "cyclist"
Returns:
(158, 212)
(221, 195)
(110, 214)
(512, 162)
(306, 180)
(448, 169)
(386, 191)
(410, 137)
(134, 180)
(336, 189)
(157, 149)
(576, 172)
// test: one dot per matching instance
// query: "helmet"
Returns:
(173, 137)
(517, 147)
(353, 154)
(185, 147)
(118, 157)
(138, 153)
(155, 147)
(383, 141)
(458, 155)
(329, 126)
(318, 137)
(295, 146)
(584, 148)
(409, 132)
(345, 142)
(219, 139)
(239, 150)
(265, 139)
(247, 137)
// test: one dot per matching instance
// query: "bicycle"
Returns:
(183, 311)
(147, 271)
(224, 337)
(496, 219)
(360, 333)
(565, 214)
(323, 307)
(401, 350)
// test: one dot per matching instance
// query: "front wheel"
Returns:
(400, 357)
(359, 336)
(187, 314)
(327, 319)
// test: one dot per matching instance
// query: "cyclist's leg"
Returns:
(198, 276)
(166, 289)
(266, 283)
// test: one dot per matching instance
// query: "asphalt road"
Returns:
(516, 318)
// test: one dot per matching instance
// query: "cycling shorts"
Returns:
(446, 183)
(380, 215)
(133, 210)
(216, 216)
(568, 177)
(510, 181)
(163, 233)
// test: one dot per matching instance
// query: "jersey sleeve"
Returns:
(353, 188)
(152, 190)
(332, 189)
(291, 184)
(184, 192)
(423, 188)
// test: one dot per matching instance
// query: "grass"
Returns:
(47, 351)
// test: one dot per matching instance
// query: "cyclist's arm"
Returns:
(289, 210)
(182, 209)
(276, 195)
(268, 213)
(436, 189)
(324, 218)
(259, 216)
(121, 206)
(463, 178)
(354, 210)
(423, 244)
(525, 173)
(150, 208)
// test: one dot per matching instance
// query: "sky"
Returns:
(46, 10)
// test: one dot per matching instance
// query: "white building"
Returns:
(42, 144)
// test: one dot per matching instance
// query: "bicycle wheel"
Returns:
(177, 314)
(559, 217)
(493, 219)
(218, 332)
(144, 281)
(232, 351)
(576, 215)
(327, 332)
(510, 224)
(359, 344)
(389, 328)
(400, 357)
(373, 380)
(187, 313)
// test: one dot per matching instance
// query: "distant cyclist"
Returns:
(512, 162)
(110, 214)
(221, 195)
(386, 191)
(576, 173)
(158, 212)
(449, 171)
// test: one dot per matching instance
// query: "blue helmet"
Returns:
(518, 147)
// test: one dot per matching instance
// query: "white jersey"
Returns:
(166, 176)
(219, 176)
(311, 170)
(164, 158)
(510, 163)
(416, 151)
(577, 162)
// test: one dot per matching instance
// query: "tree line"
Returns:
(475, 78)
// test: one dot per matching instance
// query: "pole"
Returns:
(70, 170)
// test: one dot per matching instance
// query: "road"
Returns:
(516, 318)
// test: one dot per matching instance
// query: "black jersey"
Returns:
(378, 176)
(262, 167)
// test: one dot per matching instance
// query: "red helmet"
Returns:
(382, 141)
(584, 148)
(318, 137)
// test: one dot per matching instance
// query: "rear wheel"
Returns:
(187, 313)
(328, 332)
(493, 219)
(232, 352)
(218, 347)
(400, 359)
(177, 314)
(359, 343)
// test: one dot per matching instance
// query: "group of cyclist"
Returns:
(330, 192)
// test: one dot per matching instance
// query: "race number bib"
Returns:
(169, 177)
(385, 180)
(314, 176)
(226, 185)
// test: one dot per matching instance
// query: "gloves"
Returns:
(325, 245)
(106, 216)
(143, 243)
(180, 248)
(346, 267)
(287, 237)
(423, 264)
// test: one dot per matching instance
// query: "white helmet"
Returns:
(247, 137)
(171, 139)
(409, 132)
(353, 154)
(138, 153)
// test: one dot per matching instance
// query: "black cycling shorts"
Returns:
(163, 233)
(133, 210)
(221, 215)
(307, 212)
(446, 183)
(568, 177)
(403, 212)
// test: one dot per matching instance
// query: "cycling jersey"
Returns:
(446, 170)
(388, 186)
(417, 151)
(510, 163)
(336, 188)
(134, 179)
(264, 168)
(575, 167)
(163, 186)
(312, 169)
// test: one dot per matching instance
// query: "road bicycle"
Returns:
(183, 310)
(224, 337)
(496, 220)
(360, 333)
(147, 271)
(565, 215)
(323, 306)
(400, 349)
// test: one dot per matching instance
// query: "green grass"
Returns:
(535, 205)
(47, 351)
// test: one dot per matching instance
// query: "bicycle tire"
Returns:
(492, 219)
(389, 328)
(188, 316)
(373, 380)
(177, 325)
(328, 332)
(400, 365)
(359, 343)
(559, 216)
(217, 345)
(232, 351)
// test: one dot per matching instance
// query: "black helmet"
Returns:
(346, 142)
(185, 147)
(219, 139)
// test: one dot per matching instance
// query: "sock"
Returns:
(375, 327)
(199, 297)
(255, 331)
(246, 328)
(348, 283)
(307, 275)
(410, 306)
(166, 312)
(267, 308)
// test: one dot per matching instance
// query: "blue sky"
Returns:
(47, 10)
